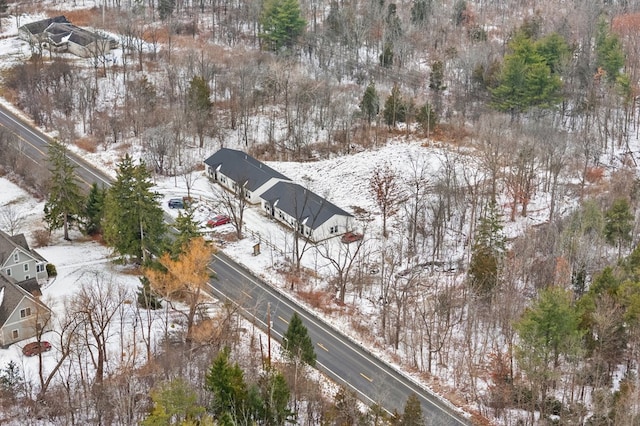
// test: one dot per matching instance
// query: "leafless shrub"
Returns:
(41, 237)
(88, 144)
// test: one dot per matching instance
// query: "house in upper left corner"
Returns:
(22, 314)
(59, 35)
(20, 262)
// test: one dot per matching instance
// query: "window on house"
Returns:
(26, 267)
(26, 277)
(16, 257)
(15, 334)
(9, 272)
(40, 267)
(26, 312)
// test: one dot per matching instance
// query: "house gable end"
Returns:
(12, 301)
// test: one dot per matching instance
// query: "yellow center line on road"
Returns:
(247, 294)
(368, 378)
(40, 151)
(323, 347)
(283, 320)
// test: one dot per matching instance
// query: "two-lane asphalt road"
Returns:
(344, 361)
(33, 144)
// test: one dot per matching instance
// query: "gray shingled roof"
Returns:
(302, 204)
(31, 286)
(38, 27)
(76, 35)
(242, 168)
(11, 297)
(9, 243)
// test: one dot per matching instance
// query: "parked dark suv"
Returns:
(176, 203)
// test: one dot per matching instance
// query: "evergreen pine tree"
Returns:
(412, 415)
(226, 382)
(165, 8)
(394, 107)
(187, 229)
(133, 218)
(147, 299)
(94, 210)
(199, 106)
(526, 79)
(65, 200)
(487, 253)
(386, 57)
(548, 333)
(296, 342)
(282, 24)
(11, 380)
(4, 5)
(420, 11)
(609, 53)
(618, 224)
(436, 78)
(275, 396)
(370, 104)
(176, 403)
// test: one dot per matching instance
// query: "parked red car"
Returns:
(34, 348)
(221, 219)
(350, 237)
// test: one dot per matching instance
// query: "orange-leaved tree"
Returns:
(184, 279)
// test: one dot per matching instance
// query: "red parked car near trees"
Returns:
(350, 237)
(34, 348)
(221, 219)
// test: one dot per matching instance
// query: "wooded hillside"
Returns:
(519, 316)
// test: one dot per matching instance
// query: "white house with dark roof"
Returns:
(232, 169)
(59, 35)
(315, 217)
(289, 203)
(18, 261)
(22, 314)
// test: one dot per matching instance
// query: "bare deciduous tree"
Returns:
(159, 149)
(342, 258)
(234, 203)
(386, 189)
(417, 187)
(11, 219)
(97, 302)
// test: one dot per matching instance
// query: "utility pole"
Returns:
(269, 335)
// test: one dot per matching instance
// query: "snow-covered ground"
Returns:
(344, 181)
